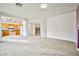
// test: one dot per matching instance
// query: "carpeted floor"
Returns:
(37, 46)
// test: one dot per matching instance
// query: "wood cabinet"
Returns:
(10, 29)
(17, 32)
(5, 26)
(5, 32)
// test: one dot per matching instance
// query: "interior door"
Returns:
(32, 29)
(77, 26)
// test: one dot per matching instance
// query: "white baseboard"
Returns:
(62, 39)
(77, 49)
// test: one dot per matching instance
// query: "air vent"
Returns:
(19, 4)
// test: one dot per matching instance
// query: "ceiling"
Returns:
(33, 10)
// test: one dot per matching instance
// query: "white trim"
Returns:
(61, 39)
(78, 50)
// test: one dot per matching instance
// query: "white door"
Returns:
(32, 29)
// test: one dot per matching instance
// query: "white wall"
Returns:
(62, 27)
(24, 29)
(44, 27)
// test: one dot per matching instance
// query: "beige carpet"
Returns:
(36, 46)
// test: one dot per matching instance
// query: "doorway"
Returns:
(10, 29)
(35, 29)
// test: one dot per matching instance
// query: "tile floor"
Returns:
(37, 46)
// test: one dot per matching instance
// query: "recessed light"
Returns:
(44, 6)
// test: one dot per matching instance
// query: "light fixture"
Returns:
(19, 4)
(43, 6)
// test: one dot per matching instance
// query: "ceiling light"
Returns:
(43, 6)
